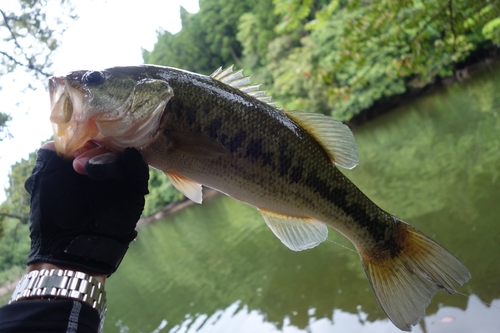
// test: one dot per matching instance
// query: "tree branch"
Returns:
(11, 58)
(22, 218)
(29, 64)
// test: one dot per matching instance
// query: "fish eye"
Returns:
(94, 78)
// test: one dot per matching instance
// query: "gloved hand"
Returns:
(86, 221)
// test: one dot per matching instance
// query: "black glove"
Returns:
(86, 221)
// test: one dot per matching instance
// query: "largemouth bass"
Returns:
(222, 132)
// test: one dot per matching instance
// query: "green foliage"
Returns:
(207, 40)
(294, 13)
(334, 57)
(161, 193)
(255, 32)
(30, 34)
(363, 52)
(8, 275)
(14, 245)
(3, 125)
(296, 81)
(297, 13)
(14, 217)
(17, 198)
(491, 30)
(222, 17)
(184, 50)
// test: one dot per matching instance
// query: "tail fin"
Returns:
(405, 283)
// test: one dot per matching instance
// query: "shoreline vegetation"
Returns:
(461, 74)
(174, 207)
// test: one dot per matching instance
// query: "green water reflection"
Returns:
(217, 268)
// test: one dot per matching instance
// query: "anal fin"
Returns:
(186, 186)
(297, 233)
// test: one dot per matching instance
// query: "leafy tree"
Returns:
(30, 35)
(334, 57)
(491, 30)
(255, 32)
(297, 13)
(183, 50)
(30, 32)
(14, 217)
(3, 121)
(362, 52)
(18, 199)
(161, 193)
(207, 39)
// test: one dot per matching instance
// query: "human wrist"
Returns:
(49, 282)
(37, 266)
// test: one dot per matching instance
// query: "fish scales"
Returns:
(291, 161)
(222, 132)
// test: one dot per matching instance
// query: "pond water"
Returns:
(217, 267)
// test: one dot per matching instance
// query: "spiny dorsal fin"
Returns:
(239, 81)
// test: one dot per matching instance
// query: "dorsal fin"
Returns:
(334, 136)
(239, 81)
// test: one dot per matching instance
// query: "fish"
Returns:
(223, 132)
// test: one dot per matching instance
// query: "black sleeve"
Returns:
(65, 316)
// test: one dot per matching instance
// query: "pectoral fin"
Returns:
(297, 233)
(186, 186)
(196, 144)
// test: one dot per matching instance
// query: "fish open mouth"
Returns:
(80, 113)
(71, 127)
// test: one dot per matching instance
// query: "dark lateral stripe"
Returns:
(286, 156)
(237, 141)
(213, 127)
(338, 195)
(255, 151)
(285, 163)
(296, 173)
